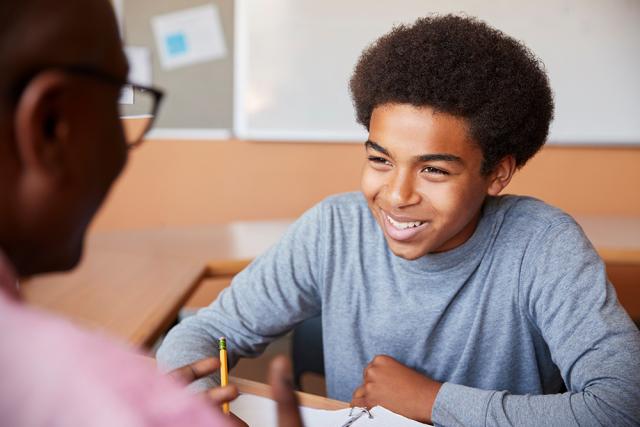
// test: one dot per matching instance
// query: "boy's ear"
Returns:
(41, 125)
(501, 175)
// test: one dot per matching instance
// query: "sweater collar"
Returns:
(462, 256)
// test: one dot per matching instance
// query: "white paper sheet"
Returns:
(259, 411)
(189, 36)
(126, 95)
(139, 59)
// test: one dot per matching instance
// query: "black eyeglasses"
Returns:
(138, 105)
(138, 108)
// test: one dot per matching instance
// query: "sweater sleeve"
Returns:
(565, 293)
(275, 292)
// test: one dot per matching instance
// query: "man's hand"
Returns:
(280, 379)
(218, 395)
(281, 382)
(398, 388)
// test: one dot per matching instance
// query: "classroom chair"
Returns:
(306, 349)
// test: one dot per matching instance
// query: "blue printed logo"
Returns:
(176, 44)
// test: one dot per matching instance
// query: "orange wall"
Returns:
(178, 183)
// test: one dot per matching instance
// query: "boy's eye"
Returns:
(436, 171)
(380, 160)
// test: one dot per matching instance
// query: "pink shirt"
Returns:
(54, 374)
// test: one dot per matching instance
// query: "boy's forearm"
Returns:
(183, 346)
(461, 405)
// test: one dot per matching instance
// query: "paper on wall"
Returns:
(139, 65)
(189, 36)
(126, 95)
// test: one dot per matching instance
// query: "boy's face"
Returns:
(422, 179)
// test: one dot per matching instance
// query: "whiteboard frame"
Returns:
(188, 133)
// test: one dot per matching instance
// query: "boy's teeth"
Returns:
(404, 225)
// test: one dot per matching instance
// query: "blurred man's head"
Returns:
(61, 142)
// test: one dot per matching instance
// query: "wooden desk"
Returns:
(305, 399)
(617, 239)
(133, 283)
(260, 389)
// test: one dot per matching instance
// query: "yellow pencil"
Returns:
(224, 373)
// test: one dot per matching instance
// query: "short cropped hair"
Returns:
(461, 66)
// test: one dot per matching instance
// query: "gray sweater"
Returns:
(502, 320)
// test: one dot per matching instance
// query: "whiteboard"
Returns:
(294, 58)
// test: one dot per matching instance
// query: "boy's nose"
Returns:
(402, 190)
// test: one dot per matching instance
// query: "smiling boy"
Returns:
(441, 300)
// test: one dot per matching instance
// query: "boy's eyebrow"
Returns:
(377, 147)
(446, 157)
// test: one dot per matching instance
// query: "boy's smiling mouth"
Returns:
(401, 229)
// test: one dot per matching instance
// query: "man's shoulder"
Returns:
(114, 382)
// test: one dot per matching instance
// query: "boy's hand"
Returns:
(398, 388)
(218, 395)
(281, 383)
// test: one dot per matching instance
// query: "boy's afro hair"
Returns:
(460, 66)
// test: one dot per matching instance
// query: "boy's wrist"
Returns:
(460, 405)
(429, 399)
